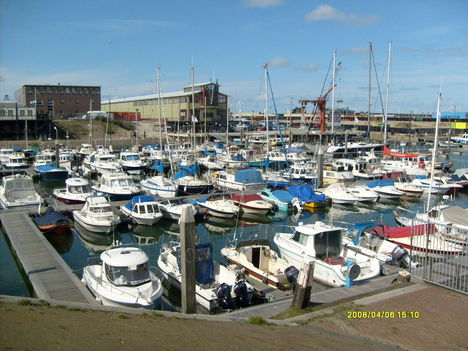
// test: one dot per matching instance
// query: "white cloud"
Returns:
(355, 51)
(328, 13)
(262, 3)
(279, 62)
(309, 67)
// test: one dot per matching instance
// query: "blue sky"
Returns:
(119, 44)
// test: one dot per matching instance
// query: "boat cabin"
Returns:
(117, 181)
(319, 244)
(77, 186)
(126, 266)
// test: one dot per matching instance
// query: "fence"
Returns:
(441, 253)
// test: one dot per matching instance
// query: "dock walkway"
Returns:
(48, 273)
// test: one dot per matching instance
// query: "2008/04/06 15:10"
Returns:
(383, 314)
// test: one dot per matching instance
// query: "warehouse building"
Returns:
(203, 101)
(60, 101)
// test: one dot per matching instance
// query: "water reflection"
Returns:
(62, 242)
(95, 243)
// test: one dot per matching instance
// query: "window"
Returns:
(62, 101)
(21, 112)
(77, 101)
(328, 244)
(300, 238)
(2, 113)
(29, 112)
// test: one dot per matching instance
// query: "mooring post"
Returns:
(187, 259)
(57, 156)
(320, 168)
(304, 285)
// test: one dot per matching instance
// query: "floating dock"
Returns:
(48, 273)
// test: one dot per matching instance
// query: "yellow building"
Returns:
(204, 101)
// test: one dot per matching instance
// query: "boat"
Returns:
(160, 186)
(306, 173)
(435, 188)
(172, 209)
(275, 180)
(282, 199)
(15, 161)
(353, 149)
(308, 197)
(385, 188)
(48, 172)
(45, 157)
(123, 279)
(85, 150)
(217, 207)
(18, 190)
(461, 139)
(252, 204)
(217, 287)
(259, 260)
(52, 221)
(96, 215)
(362, 193)
(75, 192)
(421, 239)
(143, 210)
(188, 184)
(338, 195)
(336, 173)
(116, 187)
(103, 163)
(408, 188)
(131, 162)
(211, 162)
(449, 181)
(242, 179)
(360, 168)
(323, 244)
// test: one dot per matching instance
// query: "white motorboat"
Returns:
(445, 180)
(123, 278)
(252, 204)
(18, 190)
(385, 188)
(217, 287)
(218, 207)
(338, 194)
(75, 192)
(14, 161)
(259, 261)
(360, 168)
(336, 173)
(241, 179)
(323, 244)
(142, 210)
(103, 163)
(131, 162)
(160, 186)
(306, 173)
(116, 187)
(436, 187)
(363, 193)
(85, 150)
(96, 215)
(408, 188)
(44, 158)
(211, 162)
(189, 185)
(172, 209)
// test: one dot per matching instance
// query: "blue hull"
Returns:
(53, 175)
(114, 197)
(193, 190)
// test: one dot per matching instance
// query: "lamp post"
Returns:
(56, 136)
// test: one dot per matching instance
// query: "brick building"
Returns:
(60, 101)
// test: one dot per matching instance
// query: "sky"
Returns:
(119, 45)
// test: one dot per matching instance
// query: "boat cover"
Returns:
(456, 215)
(192, 170)
(381, 182)
(388, 152)
(402, 232)
(283, 195)
(137, 199)
(181, 174)
(306, 193)
(158, 166)
(48, 168)
(246, 198)
(51, 217)
(238, 157)
(248, 176)
(204, 267)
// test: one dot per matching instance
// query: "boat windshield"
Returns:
(121, 183)
(128, 276)
(327, 244)
(100, 209)
(131, 158)
(78, 189)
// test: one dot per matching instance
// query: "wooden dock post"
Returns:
(320, 168)
(304, 286)
(187, 259)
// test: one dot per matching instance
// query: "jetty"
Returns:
(50, 276)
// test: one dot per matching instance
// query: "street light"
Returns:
(56, 136)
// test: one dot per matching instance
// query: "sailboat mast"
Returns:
(333, 94)
(434, 151)
(369, 100)
(388, 88)
(266, 108)
(158, 84)
(193, 109)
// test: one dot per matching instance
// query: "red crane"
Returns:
(320, 103)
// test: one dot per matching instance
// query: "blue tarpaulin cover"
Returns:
(381, 182)
(283, 195)
(306, 193)
(48, 168)
(158, 166)
(137, 199)
(51, 217)
(248, 176)
(204, 267)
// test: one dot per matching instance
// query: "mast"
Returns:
(265, 66)
(434, 151)
(369, 100)
(193, 109)
(158, 87)
(333, 94)
(90, 123)
(386, 95)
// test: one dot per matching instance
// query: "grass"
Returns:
(123, 316)
(256, 320)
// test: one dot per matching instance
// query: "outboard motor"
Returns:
(241, 293)
(224, 297)
(400, 255)
(292, 273)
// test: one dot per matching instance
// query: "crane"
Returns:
(320, 103)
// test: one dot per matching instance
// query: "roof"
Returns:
(97, 201)
(147, 97)
(316, 228)
(139, 199)
(456, 215)
(124, 256)
(76, 181)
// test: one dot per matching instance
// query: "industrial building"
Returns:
(59, 101)
(203, 101)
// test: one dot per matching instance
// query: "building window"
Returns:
(62, 101)
(77, 101)
(50, 102)
(67, 90)
(2, 113)
(29, 112)
(21, 112)
(39, 102)
(10, 112)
